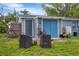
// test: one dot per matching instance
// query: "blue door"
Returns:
(46, 27)
(54, 28)
(50, 27)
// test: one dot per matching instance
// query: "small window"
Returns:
(74, 28)
(78, 28)
(78, 23)
(74, 23)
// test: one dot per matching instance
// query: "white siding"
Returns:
(23, 27)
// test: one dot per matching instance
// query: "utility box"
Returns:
(25, 41)
(74, 33)
(45, 41)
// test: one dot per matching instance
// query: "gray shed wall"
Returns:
(70, 23)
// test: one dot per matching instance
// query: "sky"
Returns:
(33, 8)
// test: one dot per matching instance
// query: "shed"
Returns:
(31, 24)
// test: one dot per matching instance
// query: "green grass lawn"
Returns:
(10, 47)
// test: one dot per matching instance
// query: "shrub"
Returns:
(3, 27)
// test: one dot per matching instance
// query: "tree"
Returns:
(11, 16)
(2, 13)
(62, 9)
(3, 26)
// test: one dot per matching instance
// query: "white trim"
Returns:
(32, 28)
(58, 27)
(25, 26)
(67, 18)
(36, 27)
(61, 25)
(52, 17)
(42, 24)
(28, 17)
(64, 18)
(20, 20)
(22, 27)
(34, 34)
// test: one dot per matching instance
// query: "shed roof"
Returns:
(49, 17)
(59, 18)
(28, 15)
